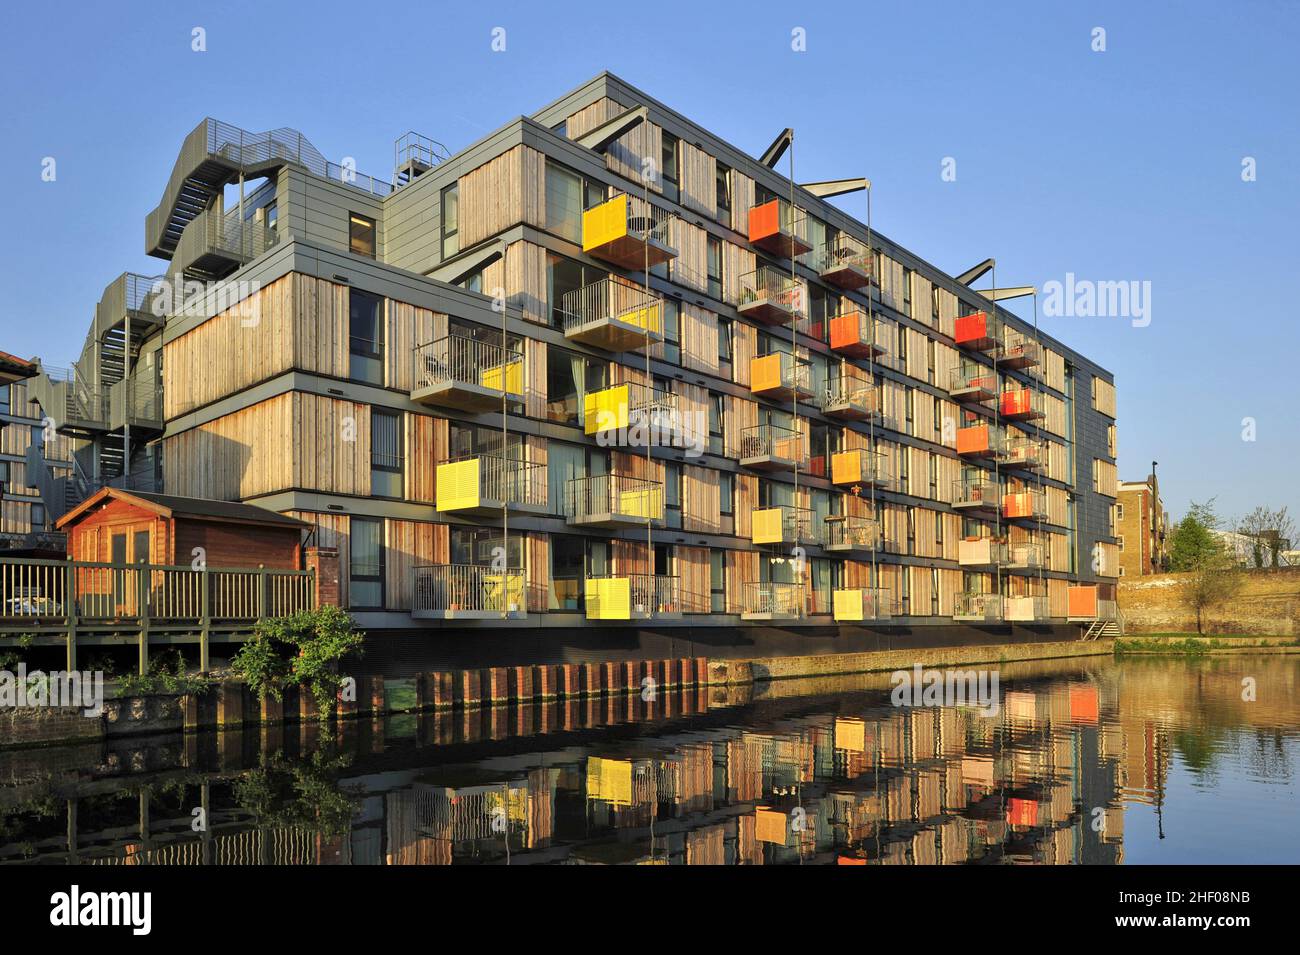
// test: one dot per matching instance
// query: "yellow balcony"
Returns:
(781, 377)
(632, 597)
(784, 524)
(467, 592)
(613, 500)
(613, 314)
(464, 373)
(485, 483)
(634, 415)
(861, 604)
(627, 232)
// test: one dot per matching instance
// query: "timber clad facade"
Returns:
(454, 379)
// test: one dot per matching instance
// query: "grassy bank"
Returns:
(1194, 644)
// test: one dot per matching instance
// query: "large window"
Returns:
(570, 377)
(385, 454)
(564, 276)
(366, 336)
(717, 581)
(451, 221)
(4, 399)
(717, 414)
(366, 562)
(563, 202)
(668, 172)
(723, 184)
(672, 494)
(361, 234)
(482, 545)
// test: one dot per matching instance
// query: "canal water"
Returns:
(1096, 761)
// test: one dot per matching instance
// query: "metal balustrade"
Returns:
(773, 601)
(852, 394)
(851, 533)
(632, 596)
(773, 447)
(976, 493)
(771, 296)
(467, 373)
(613, 314)
(845, 261)
(984, 607)
(468, 591)
(613, 500)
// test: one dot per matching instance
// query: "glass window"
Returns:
(568, 570)
(564, 276)
(366, 336)
(715, 267)
(717, 413)
(38, 520)
(361, 234)
(4, 398)
(673, 494)
(451, 220)
(717, 581)
(726, 492)
(564, 463)
(271, 215)
(668, 170)
(366, 560)
(385, 454)
(563, 202)
(570, 377)
(723, 181)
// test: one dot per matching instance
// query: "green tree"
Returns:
(1193, 543)
(305, 649)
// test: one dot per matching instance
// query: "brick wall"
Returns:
(1268, 603)
(32, 725)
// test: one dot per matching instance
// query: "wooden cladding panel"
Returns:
(537, 572)
(698, 175)
(700, 345)
(694, 578)
(742, 200)
(948, 306)
(294, 440)
(426, 445)
(502, 193)
(407, 545)
(333, 530)
(405, 328)
(690, 268)
(1105, 477)
(701, 503)
(1103, 396)
(737, 262)
(520, 274)
(741, 414)
(741, 568)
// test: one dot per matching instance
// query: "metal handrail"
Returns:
(986, 606)
(791, 220)
(775, 440)
(795, 372)
(612, 298)
(509, 479)
(852, 530)
(467, 587)
(767, 283)
(873, 466)
(976, 491)
(1026, 555)
(852, 387)
(972, 375)
(778, 599)
(648, 593)
(598, 494)
(844, 250)
(1026, 451)
(797, 523)
(469, 361)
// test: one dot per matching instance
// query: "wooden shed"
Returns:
(117, 526)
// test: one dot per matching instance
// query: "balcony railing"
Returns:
(978, 607)
(785, 524)
(37, 594)
(218, 243)
(858, 334)
(1029, 555)
(851, 395)
(1021, 404)
(626, 231)
(467, 592)
(769, 601)
(982, 552)
(862, 604)
(1085, 602)
(613, 500)
(488, 482)
(771, 447)
(772, 297)
(976, 494)
(613, 314)
(1026, 609)
(457, 371)
(973, 383)
(634, 415)
(1019, 350)
(845, 262)
(632, 597)
(1024, 505)
(780, 376)
(780, 229)
(136, 402)
(1025, 453)
(861, 467)
(851, 533)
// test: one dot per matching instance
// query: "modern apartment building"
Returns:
(1142, 527)
(26, 461)
(544, 403)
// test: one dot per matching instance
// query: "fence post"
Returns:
(70, 612)
(142, 596)
(205, 618)
(263, 582)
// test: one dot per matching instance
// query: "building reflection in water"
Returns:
(826, 773)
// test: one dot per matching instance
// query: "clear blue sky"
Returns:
(1119, 165)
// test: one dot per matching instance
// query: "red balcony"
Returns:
(853, 333)
(1024, 505)
(980, 441)
(978, 332)
(1021, 404)
(779, 229)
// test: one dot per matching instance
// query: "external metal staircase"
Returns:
(1104, 628)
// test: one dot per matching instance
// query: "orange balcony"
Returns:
(779, 229)
(861, 467)
(1089, 602)
(853, 333)
(1024, 505)
(973, 384)
(978, 332)
(1021, 404)
(781, 376)
(1025, 453)
(980, 441)
(845, 263)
